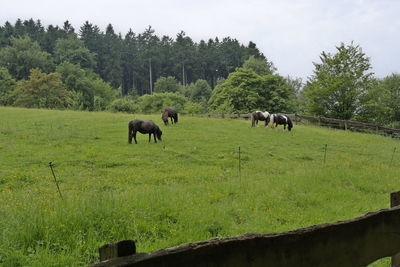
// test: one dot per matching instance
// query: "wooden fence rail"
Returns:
(345, 124)
(355, 242)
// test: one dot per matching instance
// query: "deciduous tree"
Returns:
(7, 86)
(261, 66)
(74, 51)
(166, 84)
(41, 90)
(23, 55)
(338, 82)
(244, 91)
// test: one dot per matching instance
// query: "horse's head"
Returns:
(158, 133)
(164, 117)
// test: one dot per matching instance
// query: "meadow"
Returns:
(186, 188)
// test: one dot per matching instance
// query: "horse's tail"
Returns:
(289, 122)
(130, 130)
(252, 120)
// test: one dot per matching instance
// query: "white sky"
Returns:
(290, 33)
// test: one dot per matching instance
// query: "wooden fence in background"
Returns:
(322, 121)
(355, 242)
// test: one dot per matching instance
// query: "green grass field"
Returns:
(184, 189)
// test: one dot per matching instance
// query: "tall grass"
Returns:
(186, 188)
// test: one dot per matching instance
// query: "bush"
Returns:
(41, 90)
(157, 102)
(76, 100)
(99, 103)
(193, 108)
(125, 104)
(166, 84)
(94, 93)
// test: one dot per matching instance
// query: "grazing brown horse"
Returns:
(144, 127)
(170, 112)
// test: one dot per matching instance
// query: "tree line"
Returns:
(91, 69)
(126, 61)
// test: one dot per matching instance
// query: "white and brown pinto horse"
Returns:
(259, 116)
(282, 120)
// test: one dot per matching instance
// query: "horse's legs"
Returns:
(172, 121)
(155, 140)
(129, 136)
(134, 136)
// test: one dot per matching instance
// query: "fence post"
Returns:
(240, 169)
(326, 146)
(391, 161)
(395, 201)
(55, 179)
(345, 125)
(118, 249)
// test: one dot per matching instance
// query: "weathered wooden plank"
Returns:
(355, 242)
(395, 201)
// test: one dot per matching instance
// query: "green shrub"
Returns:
(76, 100)
(125, 104)
(193, 108)
(155, 103)
(166, 84)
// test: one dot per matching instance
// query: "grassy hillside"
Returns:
(186, 188)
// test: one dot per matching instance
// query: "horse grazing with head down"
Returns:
(282, 120)
(144, 127)
(259, 116)
(171, 113)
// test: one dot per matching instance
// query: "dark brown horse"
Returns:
(170, 112)
(144, 127)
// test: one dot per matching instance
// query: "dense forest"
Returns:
(90, 69)
(126, 61)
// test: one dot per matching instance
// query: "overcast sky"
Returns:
(290, 33)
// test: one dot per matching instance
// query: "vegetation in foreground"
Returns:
(186, 188)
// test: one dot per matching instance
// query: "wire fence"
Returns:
(326, 122)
